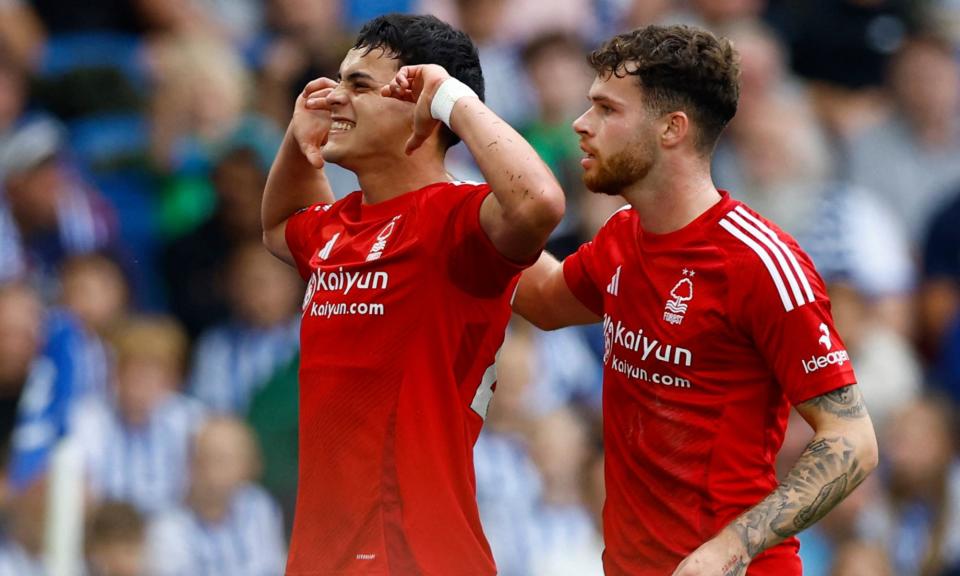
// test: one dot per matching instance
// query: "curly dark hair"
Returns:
(423, 39)
(678, 68)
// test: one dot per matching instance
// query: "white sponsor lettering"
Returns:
(637, 373)
(839, 357)
(331, 309)
(343, 281)
(636, 341)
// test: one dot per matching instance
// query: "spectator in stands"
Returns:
(564, 535)
(195, 265)
(199, 100)
(136, 443)
(115, 541)
(919, 520)
(545, 58)
(508, 484)
(228, 525)
(939, 295)
(234, 360)
(95, 290)
(910, 160)
(55, 210)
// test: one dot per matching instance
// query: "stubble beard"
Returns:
(621, 170)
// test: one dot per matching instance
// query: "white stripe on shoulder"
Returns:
(764, 257)
(615, 212)
(775, 250)
(467, 183)
(793, 259)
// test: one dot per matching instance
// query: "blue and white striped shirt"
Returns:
(147, 466)
(232, 363)
(248, 542)
(508, 489)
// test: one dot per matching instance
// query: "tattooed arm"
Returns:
(840, 456)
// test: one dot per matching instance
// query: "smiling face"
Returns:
(366, 126)
(617, 134)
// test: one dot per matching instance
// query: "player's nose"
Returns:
(581, 126)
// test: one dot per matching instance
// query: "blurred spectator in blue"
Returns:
(546, 58)
(235, 359)
(564, 537)
(940, 298)
(56, 211)
(94, 289)
(137, 443)
(194, 265)
(115, 541)
(940, 292)
(508, 484)
(919, 520)
(910, 160)
(50, 384)
(200, 94)
(228, 525)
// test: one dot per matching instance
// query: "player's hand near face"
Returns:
(311, 119)
(418, 84)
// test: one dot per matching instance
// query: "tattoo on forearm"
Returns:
(824, 474)
(846, 402)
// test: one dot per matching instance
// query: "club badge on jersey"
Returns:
(681, 293)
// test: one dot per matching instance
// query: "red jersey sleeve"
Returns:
(471, 261)
(786, 312)
(299, 231)
(586, 271)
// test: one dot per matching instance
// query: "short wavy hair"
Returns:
(679, 68)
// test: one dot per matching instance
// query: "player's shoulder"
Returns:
(763, 257)
(322, 209)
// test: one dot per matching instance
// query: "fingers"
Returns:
(318, 100)
(404, 85)
(318, 84)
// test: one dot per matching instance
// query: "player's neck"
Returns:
(667, 202)
(395, 176)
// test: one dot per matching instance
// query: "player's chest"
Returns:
(360, 267)
(665, 314)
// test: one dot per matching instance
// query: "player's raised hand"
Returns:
(311, 119)
(723, 555)
(418, 84)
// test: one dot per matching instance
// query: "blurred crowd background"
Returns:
(141, 318)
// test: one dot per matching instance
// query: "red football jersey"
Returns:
(406, 306)
(710, 333)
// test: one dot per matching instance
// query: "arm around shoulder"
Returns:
(544, 298)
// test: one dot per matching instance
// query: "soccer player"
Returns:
(715, 322)
(409, 284)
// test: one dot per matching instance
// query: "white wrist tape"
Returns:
(447, 95)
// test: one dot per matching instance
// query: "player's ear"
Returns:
(675, 129)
